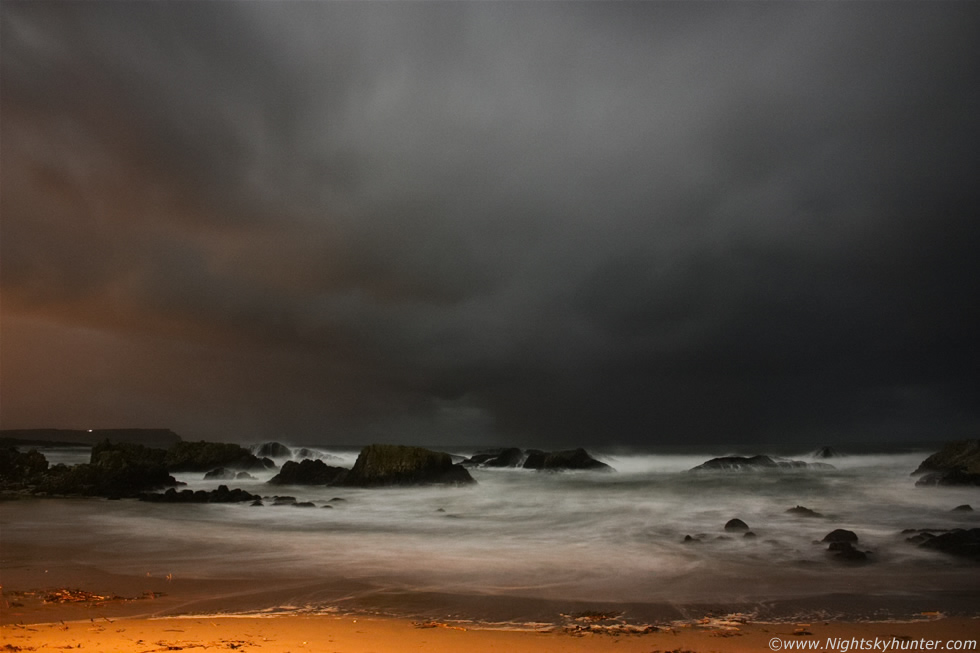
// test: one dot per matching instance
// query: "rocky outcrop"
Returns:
(755, 463)
(957, 463)
(840, 535)
(563, 460)
(220, 495)
(272, 450)
(115, 470)
(964, 543)
(308, 472)
(204, 456)
(18, 470)
(382, 465)
(511, 457)
(736, 525)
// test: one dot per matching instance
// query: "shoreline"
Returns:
(348, 634)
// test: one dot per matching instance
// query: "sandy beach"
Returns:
(352, 634)
(144, 615)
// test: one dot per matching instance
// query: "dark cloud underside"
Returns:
(459, 222)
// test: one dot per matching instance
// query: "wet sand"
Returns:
(288, 634)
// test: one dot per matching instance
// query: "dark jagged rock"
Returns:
(272, 450)
(308, 472)
(380, 465)
(115, 470)
(963, 508)
(220, 474)
(563, 460)
(755, 463)
(964, 543)
(204, 456)
(800, 511)
(957, 463)
(511, 457)
(20, 469)
(220, 495)
(736, 525)
(826, 452)
(840, 535)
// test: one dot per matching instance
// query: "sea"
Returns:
(528, 547)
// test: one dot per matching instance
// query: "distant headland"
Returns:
(160, 438)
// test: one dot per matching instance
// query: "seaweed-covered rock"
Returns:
(204, 456)
(220, 495)
(272, 450)
(755, 463)
(308, 472)
(562, 460)
(382, 464)
(957, 463)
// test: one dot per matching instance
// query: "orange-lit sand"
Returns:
(348, 634)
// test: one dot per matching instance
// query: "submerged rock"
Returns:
(957, 463)
(755, 463)
(963, 508)
(384, 464)
(845, 551)
(800, 511)
(563, 460)
(308, 472)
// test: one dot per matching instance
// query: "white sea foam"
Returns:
(584, 536)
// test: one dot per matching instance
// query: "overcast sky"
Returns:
(475, 222)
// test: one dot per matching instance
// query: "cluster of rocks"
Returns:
(755, 463)
(572, 459)
(841, 543)
(960, 542)
(120, 469)
(220, 495)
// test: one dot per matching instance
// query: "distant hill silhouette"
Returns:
(158, 438)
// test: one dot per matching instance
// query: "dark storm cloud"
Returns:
(635, 222)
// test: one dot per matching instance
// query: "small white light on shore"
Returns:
(90, 430)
